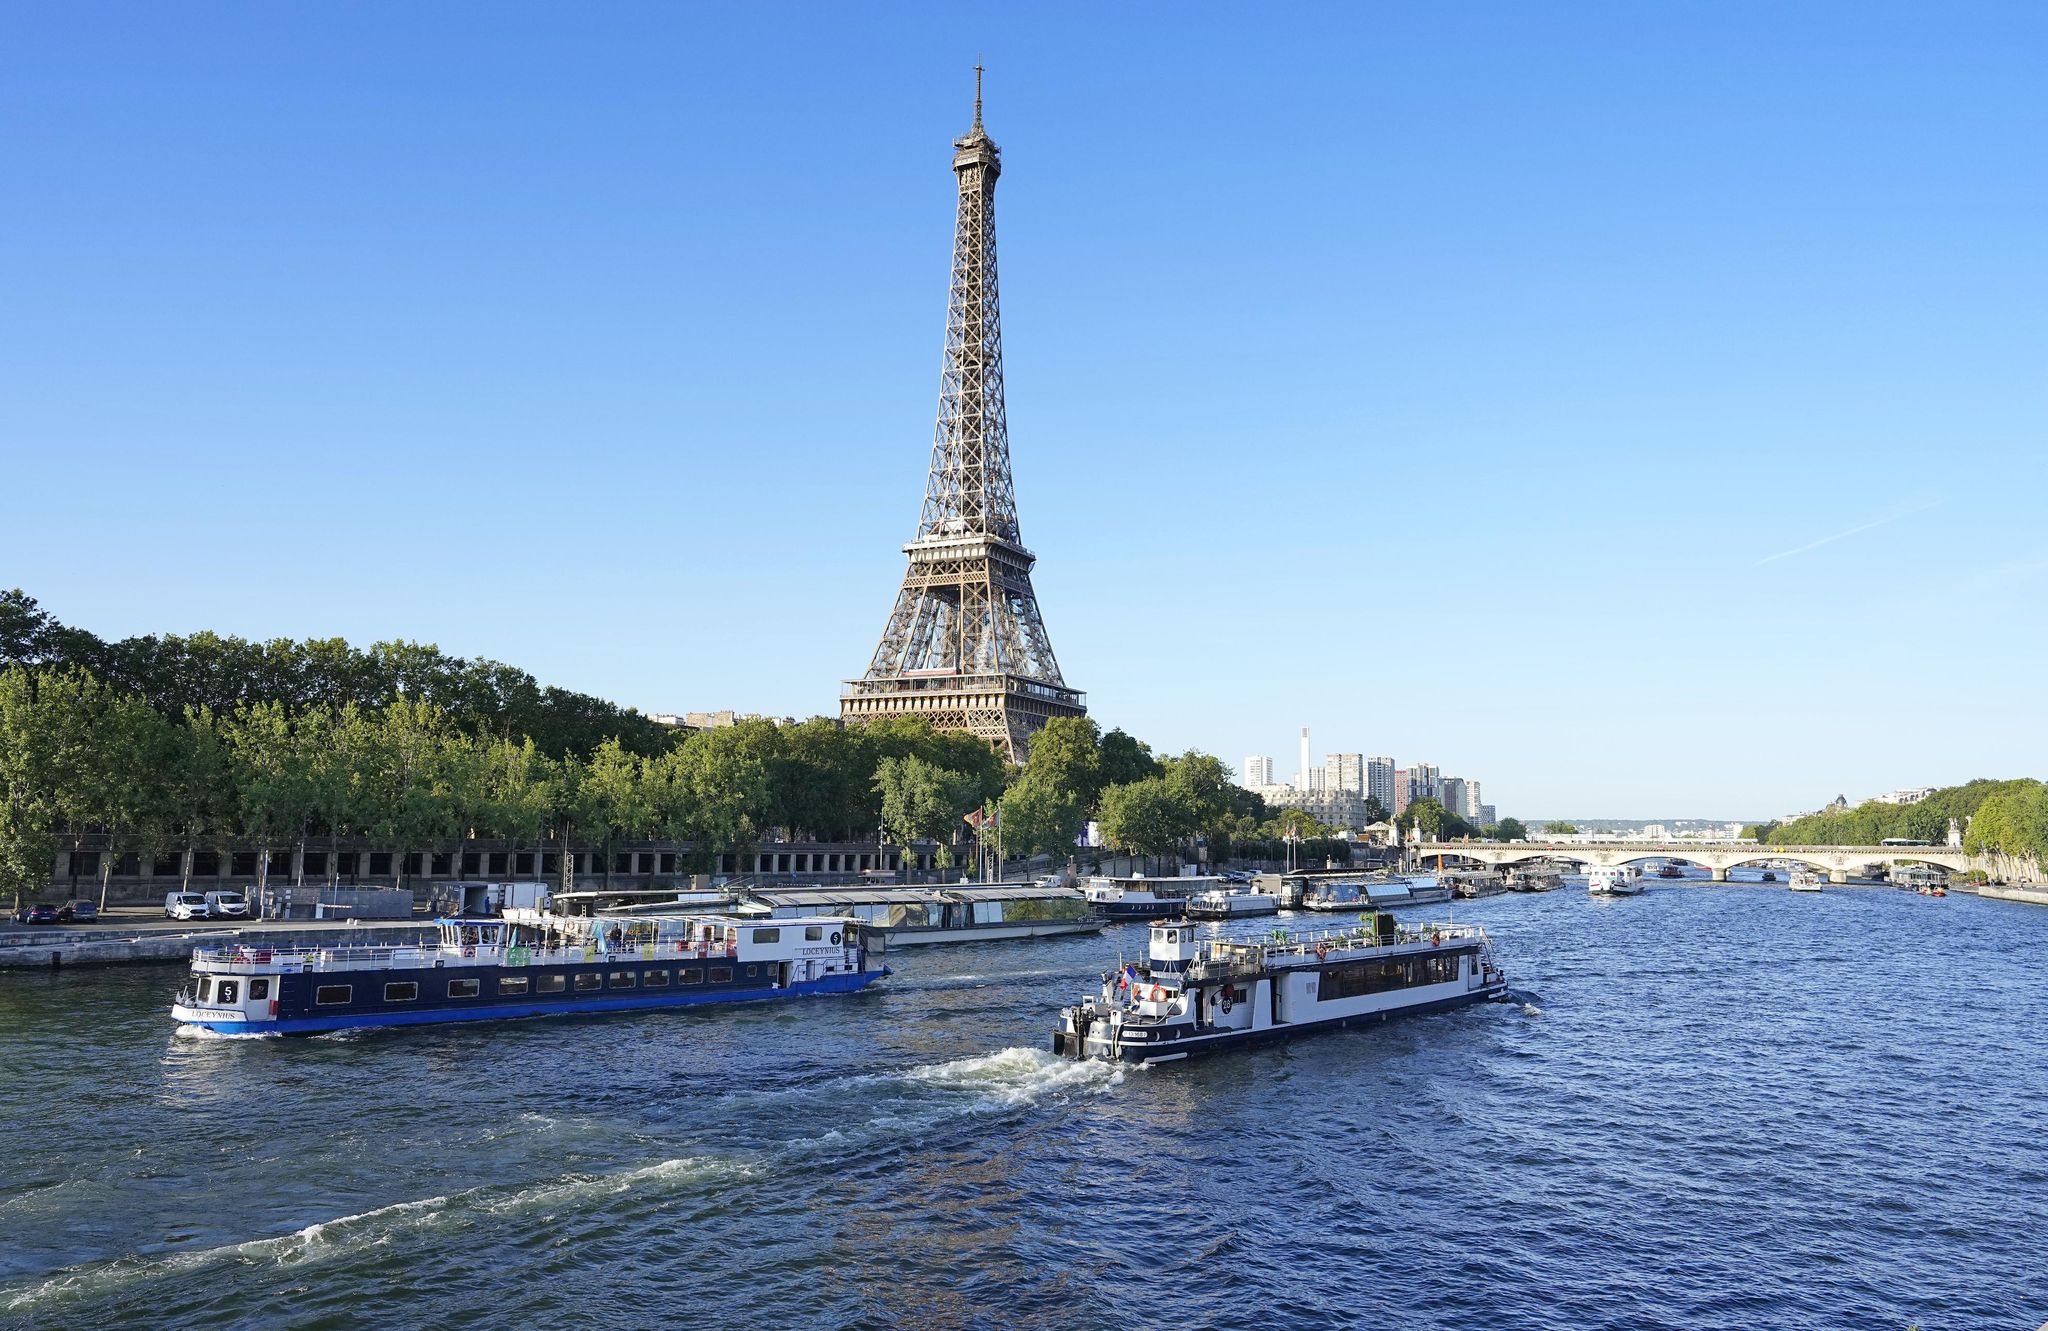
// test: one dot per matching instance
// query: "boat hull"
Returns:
(638, 1001)
(1194, 1046)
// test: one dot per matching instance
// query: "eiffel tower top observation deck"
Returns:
(965, 646)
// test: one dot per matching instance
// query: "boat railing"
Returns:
(1249, 957)
(426, 956)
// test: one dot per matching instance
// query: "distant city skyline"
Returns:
(1695, 350)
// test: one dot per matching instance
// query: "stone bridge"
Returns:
(1839, 863)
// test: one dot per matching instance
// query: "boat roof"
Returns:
(839, 896)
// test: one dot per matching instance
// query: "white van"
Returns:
(186, 906)
(228, 905)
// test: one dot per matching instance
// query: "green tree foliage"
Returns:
(219, 674)
(1148, 817)
(1040, 818)
(1561, 829)
(1124, 760)
(924, 802)
(1871, 822)
(2011, 821)
(1066, 759)
(1508, 829)
(1435, 823)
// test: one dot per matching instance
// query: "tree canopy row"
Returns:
(2001, 817)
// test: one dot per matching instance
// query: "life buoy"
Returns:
(468, 951)
(1159, 993)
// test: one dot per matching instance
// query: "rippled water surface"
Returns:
(1713, 1107)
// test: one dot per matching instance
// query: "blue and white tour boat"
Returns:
(1195, 996)
(525, 964)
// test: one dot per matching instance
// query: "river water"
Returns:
(1716, 1107)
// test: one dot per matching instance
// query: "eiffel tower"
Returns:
(965, 646)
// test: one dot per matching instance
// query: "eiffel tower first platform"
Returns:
(965, 646)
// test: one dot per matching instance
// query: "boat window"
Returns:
(753, 972)
(206, 988)
(463, 988)
(230, 992)
(401, 993)
(655, 979)
(512, 984)
(586, 980)
(551, 984)
(333, 995)
(813, 932)
(721, 974)
(622, 979)
(259, 988)
(767, 935)
(690, 975)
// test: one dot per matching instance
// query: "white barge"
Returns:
(914, 916)
(1226, 905)
(1194, 996)
(1142, 898)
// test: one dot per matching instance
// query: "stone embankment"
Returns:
(111, 945)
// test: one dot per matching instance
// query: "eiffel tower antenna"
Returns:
(965, 646)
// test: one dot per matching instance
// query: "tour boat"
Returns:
(1670, 870)
(1194, 996)
(1804, 880)
(525, 964)
(1137, 898)
(1619, 880)
(1536, 878)
(1223, 905)
(893, 917)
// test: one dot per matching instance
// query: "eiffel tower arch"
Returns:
(965, 646)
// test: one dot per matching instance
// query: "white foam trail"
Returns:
(1018, 1076)
(201, 1033)
(1532, 1010)
(326, 1240)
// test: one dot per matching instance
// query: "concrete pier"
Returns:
(23, 948)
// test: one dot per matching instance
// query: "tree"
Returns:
(409, 799)
(1436, 823)
(1145, 817)
(1040, 818)
(273, 779)
(1125, 760)
(611, 800)
(1560, 829)
(28, 815)
(1509, 829)
(200, 790)
(1066, 759)
(923, 802)
(710, 791)
(1375, 812)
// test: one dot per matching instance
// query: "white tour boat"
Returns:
(1618, 880)
(1194, 997)
(1804, 880)
(1140, 898)
(1224, 905)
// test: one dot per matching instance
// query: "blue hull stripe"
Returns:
(559, 1007)
(1145, 1051)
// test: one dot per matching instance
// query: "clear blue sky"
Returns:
(1444, 377)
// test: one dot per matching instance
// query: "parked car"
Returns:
(40, 913)
(186, 906)
(227, 905)
(80, 911)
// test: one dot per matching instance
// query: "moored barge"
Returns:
(1196, 996)
(525, 964)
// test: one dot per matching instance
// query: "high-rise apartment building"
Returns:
(1344, 771)
(1453, 795)
(1258, 771)
(1317, 778)
(1379, 781)
(1301, 772)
